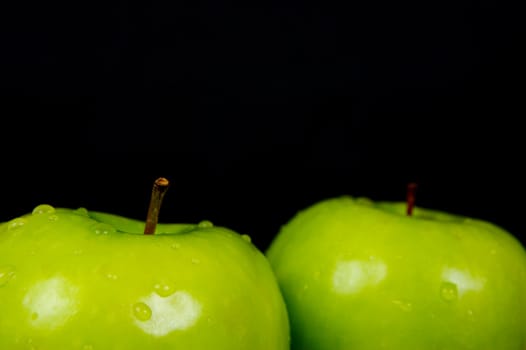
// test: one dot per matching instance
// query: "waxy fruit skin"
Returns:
(79, 280)
(360, 275)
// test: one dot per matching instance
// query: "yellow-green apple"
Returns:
(364, 275)
(79, 279)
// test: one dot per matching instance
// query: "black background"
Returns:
(257, 110)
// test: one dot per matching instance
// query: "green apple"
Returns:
(78, 279)
(364, 275)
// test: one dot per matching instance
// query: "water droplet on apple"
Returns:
(246, 238)
(163, 289)
(82, 211)
(34, 316)
(205, 224)
(176, 245)
(87, 347)
(53, 217)
(364, 201)
(30, 344)
(78, 252)
(142, 311)
(403, 305)
(448, 291)
(103, 229)
(43, 209)
(6, 274)
(196, 261)
(16, 223)
(112, 276)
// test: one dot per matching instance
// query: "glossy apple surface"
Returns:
(358, 275)
(73, 279)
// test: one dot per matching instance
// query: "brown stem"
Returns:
(410, 200)
(159, 189)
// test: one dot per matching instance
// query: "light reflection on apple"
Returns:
(159, 316)
(462, 280)
(52, 302)
(352, 276)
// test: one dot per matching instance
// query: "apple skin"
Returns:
(70, 279)
(362, 275)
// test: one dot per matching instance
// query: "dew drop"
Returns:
(78, 252)
(403, 305)
(142, 311)
(87, 347)
(111, 276)
(6, 274)
(53, 217)
(163, 289)
(103, 229)
(16, 223)
(82, 211)
(205, 224)
(448, 291)
(196, 261)
(43, 209)
(246, 238)
(176, 245)
(364, 201)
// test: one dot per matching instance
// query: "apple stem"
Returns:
(410, 199)
(158, 191)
